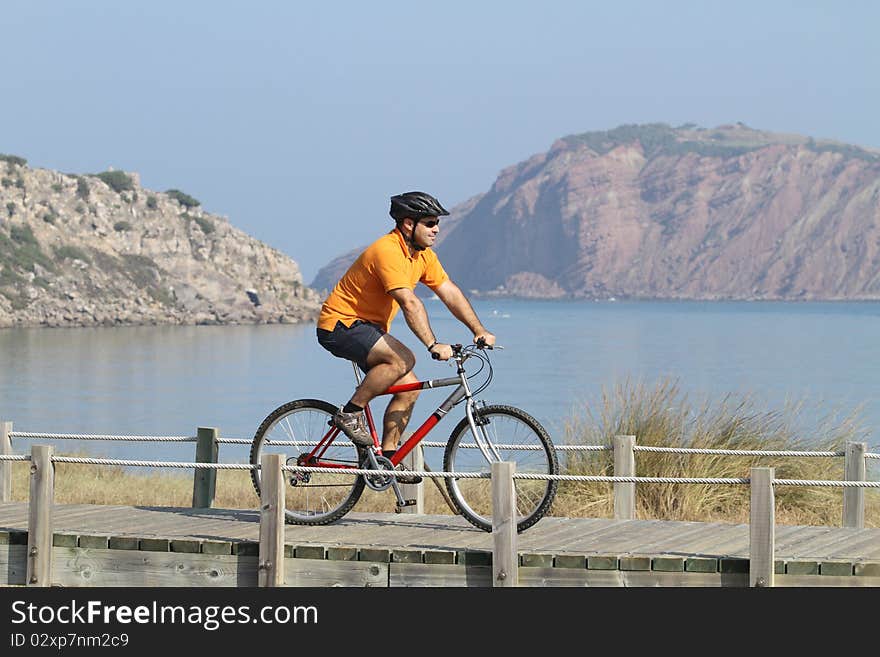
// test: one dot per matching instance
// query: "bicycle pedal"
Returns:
(399, 507)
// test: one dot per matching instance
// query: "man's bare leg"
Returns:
(398, 413)
(389, 361)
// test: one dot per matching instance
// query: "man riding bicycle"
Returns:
(355, 319)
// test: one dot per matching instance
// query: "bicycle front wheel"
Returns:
(510, 435)
(296, 429)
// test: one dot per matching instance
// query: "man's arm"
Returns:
(454, 299)
(416, 316)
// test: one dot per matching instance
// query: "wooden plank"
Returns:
(823, 546)
(675, 539)
(86, 541)
(534, 559)
(125, 543)
(91, 519)
(733, 543)
(634, 562)
(13, 537)
(865, 545)
(718, 540)
(559, 534)
(402, 555)
(794, 535)
(802, 567)
(382, 555)
(836, 568)
(388, 530)
(473, 558)
(342, 553)
(310, 552)
(13, 564)
(312, 572)
(572, 538)
(610, 578)
(246, 548)
(65, 540)
(798, 545)
(632, 535)
(862, 569)
(566, 527)
(602, 562)
(40, 503)
(701, 565)
(134, 568)
(668, 564)
(439, 556)
(187, 546)
(147, 522)
(424, 575)
(148, 544)
(818, 580)
(576, 561)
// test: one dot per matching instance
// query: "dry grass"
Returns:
(657, 415)
(660, 415)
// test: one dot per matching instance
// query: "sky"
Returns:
(297, 121)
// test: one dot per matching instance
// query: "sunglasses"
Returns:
(431, 223)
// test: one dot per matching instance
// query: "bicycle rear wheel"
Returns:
(516, 436)
(311, 498)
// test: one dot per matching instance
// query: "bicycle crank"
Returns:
(378, 481)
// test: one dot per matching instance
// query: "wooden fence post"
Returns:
(415, 460)
(205, 479)
(271, 560)
(762, 531)
(624, 466)
(5, 466)
(42, 498)
(854, 498)
(505, 560)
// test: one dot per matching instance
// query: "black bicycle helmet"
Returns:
(415, 205)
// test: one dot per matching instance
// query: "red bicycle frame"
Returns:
(314, 457)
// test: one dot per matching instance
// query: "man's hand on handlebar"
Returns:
(441, 351)
(484, 340)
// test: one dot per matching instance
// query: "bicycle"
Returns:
(487, 433)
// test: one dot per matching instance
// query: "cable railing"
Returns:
(624, 448)
(208, 442)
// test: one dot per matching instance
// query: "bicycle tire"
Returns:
(513, 427)
(319, 498)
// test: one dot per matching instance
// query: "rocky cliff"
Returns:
(658, 212)
(87, 250)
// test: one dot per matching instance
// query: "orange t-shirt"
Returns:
(362, 293)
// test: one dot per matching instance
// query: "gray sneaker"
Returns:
(354, 426)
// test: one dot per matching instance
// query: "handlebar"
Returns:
(458, 349)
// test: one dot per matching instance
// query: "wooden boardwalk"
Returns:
(162, 546)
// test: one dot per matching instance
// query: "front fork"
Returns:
(486, 446)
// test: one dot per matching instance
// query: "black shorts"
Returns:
(351, 343)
